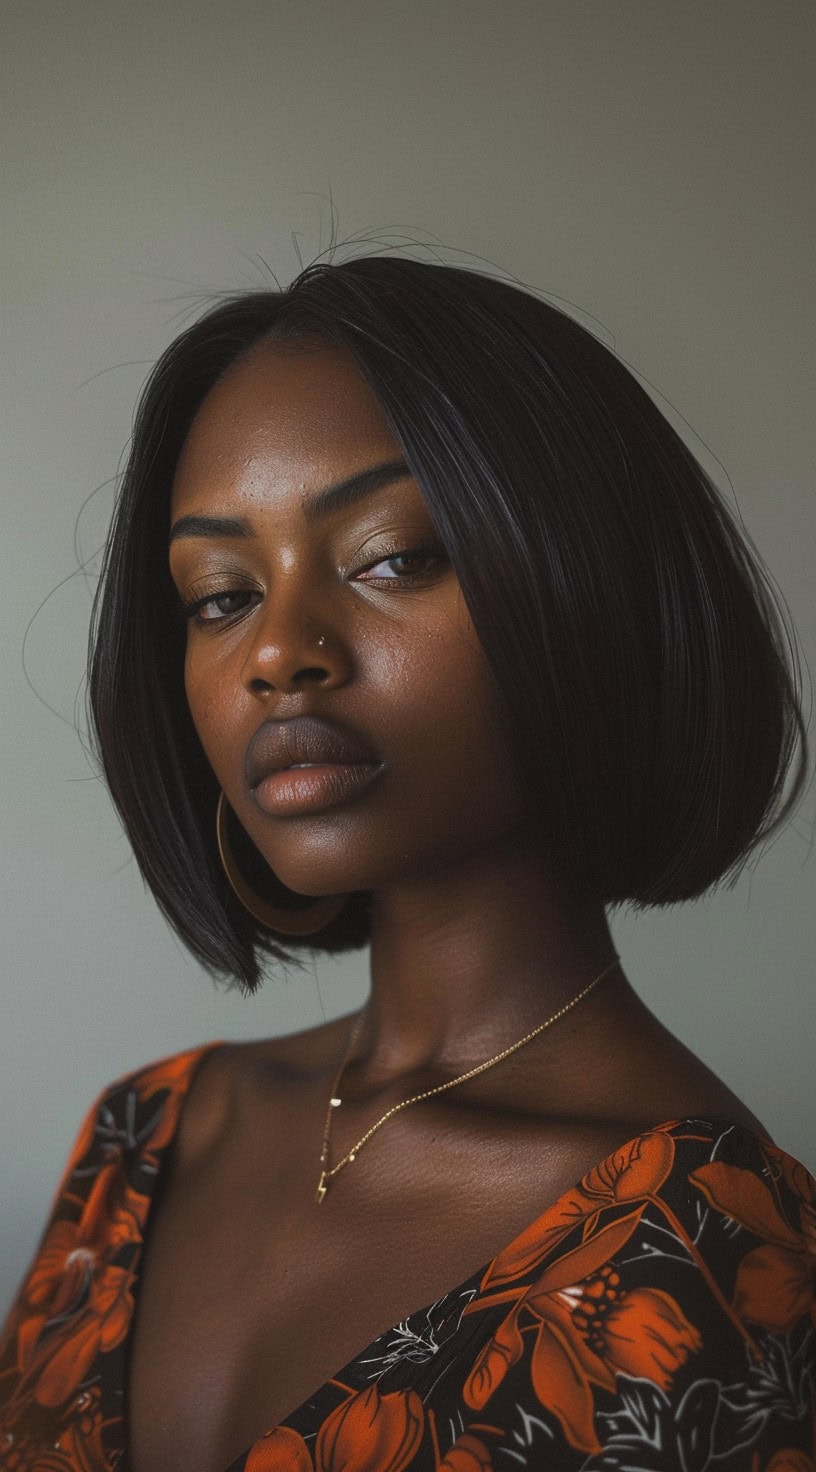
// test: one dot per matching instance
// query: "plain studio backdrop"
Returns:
(649, 164)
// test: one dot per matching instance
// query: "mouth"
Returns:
(306, 764)
(310, 787)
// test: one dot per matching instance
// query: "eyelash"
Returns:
(191, 611)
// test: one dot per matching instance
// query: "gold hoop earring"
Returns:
(306, 921)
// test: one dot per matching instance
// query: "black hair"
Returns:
(638, 650)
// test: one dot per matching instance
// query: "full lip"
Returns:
(308, 740)
(301, 791)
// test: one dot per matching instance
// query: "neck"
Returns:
(465, 962)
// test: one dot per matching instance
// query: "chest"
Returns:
(251, 1295)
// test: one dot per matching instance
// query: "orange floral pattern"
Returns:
(74, 1310)
(661, 1314)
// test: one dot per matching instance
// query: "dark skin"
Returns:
(251, 1294)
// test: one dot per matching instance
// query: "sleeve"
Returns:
(66, 1331)
(59, 1210)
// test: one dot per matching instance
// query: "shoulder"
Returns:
(721, 1186)
(172, 1074)
(714, 1184)
(649, 1073)
(136, 1112)
(666, 1300)
(748, 1196)
(163, 1084)
(225, 1078)
(186, 1098)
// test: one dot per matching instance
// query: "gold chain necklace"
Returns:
(327, 1174)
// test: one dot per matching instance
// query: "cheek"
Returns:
(209, 707)
(444, 710)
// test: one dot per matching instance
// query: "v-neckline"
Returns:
(460, 1291)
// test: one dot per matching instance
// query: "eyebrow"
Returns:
(324, 503)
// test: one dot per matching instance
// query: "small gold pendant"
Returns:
(322, 1186)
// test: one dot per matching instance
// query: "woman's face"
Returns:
(399, 670)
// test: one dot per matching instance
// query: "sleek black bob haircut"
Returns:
(639, 652)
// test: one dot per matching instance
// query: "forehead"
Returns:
(293, 415)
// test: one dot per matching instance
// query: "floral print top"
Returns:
(658, 1317)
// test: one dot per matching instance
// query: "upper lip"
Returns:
(279, 744)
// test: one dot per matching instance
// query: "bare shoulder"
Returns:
(635, 1069)
(232, 1069)
(681, 1085)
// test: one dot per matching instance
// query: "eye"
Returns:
(214, 608)
(407, 565)
(423, 555)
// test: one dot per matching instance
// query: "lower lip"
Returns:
(310, 789)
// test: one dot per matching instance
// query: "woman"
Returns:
(420, 627)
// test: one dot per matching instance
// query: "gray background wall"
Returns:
(650, 163)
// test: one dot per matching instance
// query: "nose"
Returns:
(294, 646)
